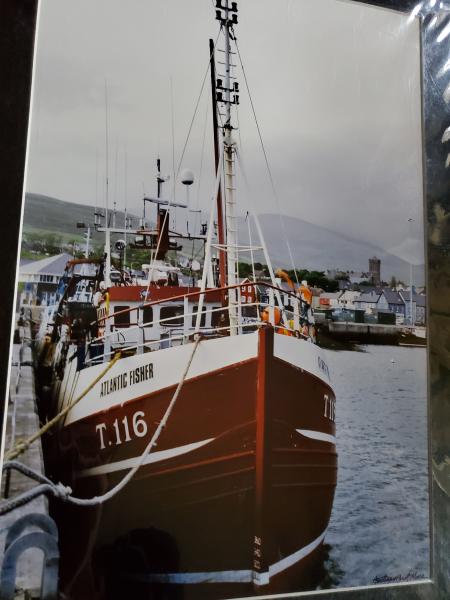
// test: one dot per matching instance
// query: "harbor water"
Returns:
(379, 529)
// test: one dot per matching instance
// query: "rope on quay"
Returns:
(21, 447)
(27, 471)
(64, 492)
(57, 490)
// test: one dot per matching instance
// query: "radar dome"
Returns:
(187, 177)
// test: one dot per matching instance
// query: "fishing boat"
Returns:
(201, 416)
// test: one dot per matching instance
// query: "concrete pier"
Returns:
(362, 329)
(22, 422)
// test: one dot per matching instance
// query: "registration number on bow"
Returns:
(122, 430)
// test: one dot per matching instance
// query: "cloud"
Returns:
(336, 87)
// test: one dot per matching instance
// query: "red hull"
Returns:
(242, 508)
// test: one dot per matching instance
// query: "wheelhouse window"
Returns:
(219, 318)
(249, 312)
(121, 320)
(147, 314)
(174, 313)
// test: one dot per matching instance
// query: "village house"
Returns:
(391, 301)
(329, 299)
(316, 292)
(41, 278)
(367, 301)
(347, 298)
(418, 307)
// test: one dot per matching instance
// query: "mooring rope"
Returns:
(25, 470)
(119, 486)
(57, 490)
(21, 447)
(64, 492)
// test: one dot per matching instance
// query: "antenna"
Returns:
(143, 208)
(173, 139)
(106, 152)
(107, 231)
(115, 186)
(96, 186)
(125, 184)
(187, 179)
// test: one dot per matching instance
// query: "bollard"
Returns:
(17, 542)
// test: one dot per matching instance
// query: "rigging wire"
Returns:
(106, 155)
(197, 105)
(239, 129)
(96, 180)
(261, 236)
(125, 177)
(201, 161)
(173, 149)
(267, 164)
(197, 202)
(247, 218)
(207, 262)
(153, 259)
(116, 158)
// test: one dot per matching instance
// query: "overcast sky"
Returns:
(335, 84)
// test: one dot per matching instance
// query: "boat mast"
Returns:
(221, 233)
(227, 15)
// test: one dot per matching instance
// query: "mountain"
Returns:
(317, 248)
(44, 213)
(313, 247)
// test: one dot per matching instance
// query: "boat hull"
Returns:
(237, 495)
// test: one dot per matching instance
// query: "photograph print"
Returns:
(222, 293)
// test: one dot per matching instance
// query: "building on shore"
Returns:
(375, 271)
(347, 299)
(367, 301)
(329, 299)
(418, 307)
(40, 278)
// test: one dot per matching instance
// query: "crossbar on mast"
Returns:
(227, 17)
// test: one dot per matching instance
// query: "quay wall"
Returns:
(22, 422)
(367, 329)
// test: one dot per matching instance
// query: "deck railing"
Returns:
(170, 332)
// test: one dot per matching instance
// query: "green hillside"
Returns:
(43, 214)
(50, 227)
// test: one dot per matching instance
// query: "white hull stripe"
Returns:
(287, 562)
(318, 435)
(153, 457)
(243, 576)
(193, 578)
